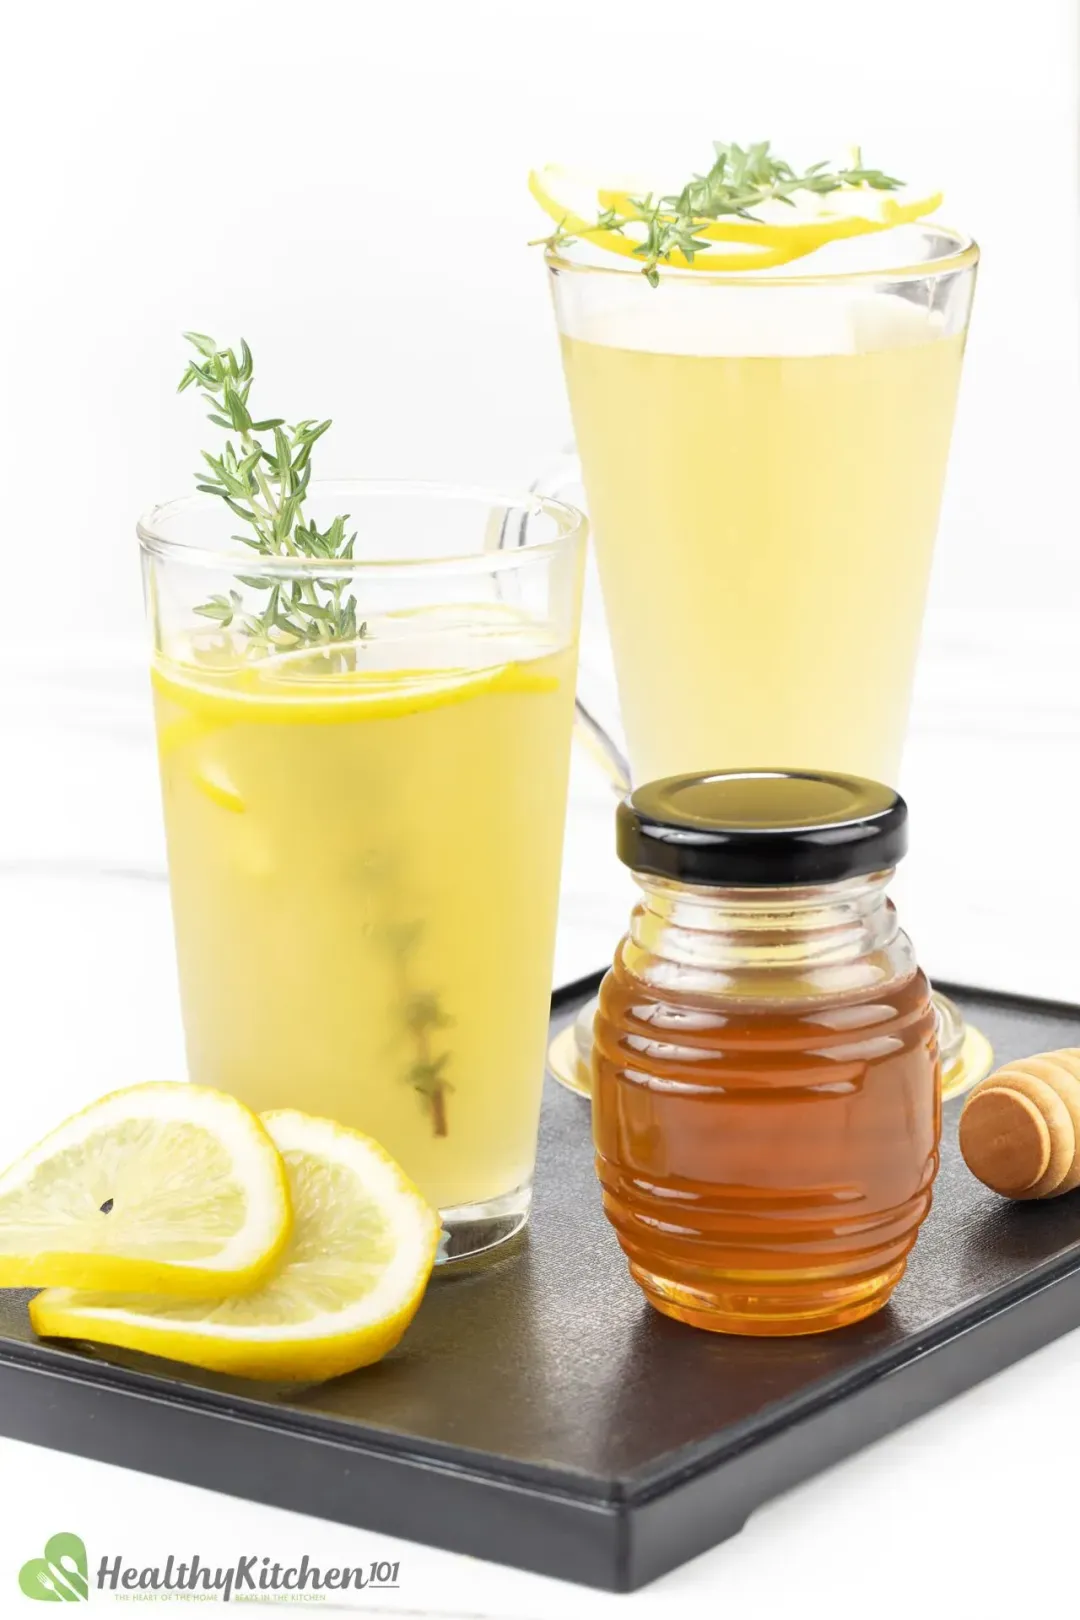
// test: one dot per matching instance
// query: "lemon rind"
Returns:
(768, 244)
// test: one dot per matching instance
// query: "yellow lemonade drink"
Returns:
(364, 864)
(764, 489)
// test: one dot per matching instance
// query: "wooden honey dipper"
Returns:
(1020, 1129)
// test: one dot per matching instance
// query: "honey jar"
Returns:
(766, 1079)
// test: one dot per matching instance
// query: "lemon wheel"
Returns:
(361, 1252)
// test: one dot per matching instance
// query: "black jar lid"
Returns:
(761, 828)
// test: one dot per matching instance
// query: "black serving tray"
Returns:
(539, 1413)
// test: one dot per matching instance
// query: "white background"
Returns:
(343, 183)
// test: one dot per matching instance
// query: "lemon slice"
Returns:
(164, 1186)
(782, 232)
(278, 696)
(350, 1281)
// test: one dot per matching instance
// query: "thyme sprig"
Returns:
(266, 488)
(422, 1016)
(740, 180)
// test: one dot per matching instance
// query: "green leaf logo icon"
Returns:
(60, 1576)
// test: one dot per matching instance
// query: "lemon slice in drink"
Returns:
(164, 1186)
(350, 1281)
(779, 233)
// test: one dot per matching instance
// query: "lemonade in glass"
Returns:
(763, 367)
(763, 425)
(364, 836)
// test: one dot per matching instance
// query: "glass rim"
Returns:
(571, 524)
(961, 254)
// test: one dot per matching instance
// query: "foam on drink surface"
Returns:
(740, 320)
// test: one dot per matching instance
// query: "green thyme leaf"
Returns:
(266, 489)
(739, 180)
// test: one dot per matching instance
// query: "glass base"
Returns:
(473, 1229)
(966, 1054)
(764, 1306)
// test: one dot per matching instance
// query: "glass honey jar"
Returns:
(766, 1079)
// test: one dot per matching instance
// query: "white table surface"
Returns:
(990, 893)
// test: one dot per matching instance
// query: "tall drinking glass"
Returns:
(364, 835)
(764, 456)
